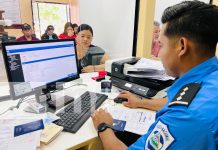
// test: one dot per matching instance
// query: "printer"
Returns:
(141, 86)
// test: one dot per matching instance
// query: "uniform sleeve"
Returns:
(177, 129)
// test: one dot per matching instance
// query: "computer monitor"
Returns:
(34, 65)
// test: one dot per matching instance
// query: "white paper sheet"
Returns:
(147, 68)
(137, 120)
(26, 141)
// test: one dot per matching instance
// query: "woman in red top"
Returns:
(68, 32)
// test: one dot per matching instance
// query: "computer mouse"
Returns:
(120, 100)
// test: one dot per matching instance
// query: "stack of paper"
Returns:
(147, 68)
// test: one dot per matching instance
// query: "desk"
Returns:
(87, 133)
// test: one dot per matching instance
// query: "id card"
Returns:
(119, 125)
(28, 127)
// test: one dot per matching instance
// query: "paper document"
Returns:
(147, 68)
(149, 64)
(28, 141)
(137, 120)
(21, 138)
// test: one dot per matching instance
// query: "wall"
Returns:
(145, 28)
(25, 8)
(112, 22)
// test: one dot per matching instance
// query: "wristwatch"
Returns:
(103, 126)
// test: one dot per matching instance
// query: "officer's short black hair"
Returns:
(195, 20)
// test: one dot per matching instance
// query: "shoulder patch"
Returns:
(159, 138)
(185, 94)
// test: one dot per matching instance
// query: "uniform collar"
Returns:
(196, 74)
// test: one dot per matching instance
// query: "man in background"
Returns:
(27, 34)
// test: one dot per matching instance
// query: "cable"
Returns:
(77, 84)
(21, 101)
(10, 108)
(17, 106)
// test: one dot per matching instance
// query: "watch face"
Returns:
(102, 127)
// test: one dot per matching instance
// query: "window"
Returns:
(45, 14)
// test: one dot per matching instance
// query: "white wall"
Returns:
(113, 24)
(161, 5)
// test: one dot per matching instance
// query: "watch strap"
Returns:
(103, 126)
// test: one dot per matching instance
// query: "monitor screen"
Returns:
(33, 65)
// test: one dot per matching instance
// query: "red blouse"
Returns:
(63, 36)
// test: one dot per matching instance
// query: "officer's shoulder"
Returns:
(185, 95)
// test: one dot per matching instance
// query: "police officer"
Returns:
(189, 119)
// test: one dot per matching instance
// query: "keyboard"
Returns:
(74, 115)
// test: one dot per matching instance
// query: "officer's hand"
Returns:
(88, 69)
(100, 116)
(133, 101)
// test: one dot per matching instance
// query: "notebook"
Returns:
(50, 132)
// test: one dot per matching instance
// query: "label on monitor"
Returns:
(22, 88)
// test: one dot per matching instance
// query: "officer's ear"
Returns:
(182, 46)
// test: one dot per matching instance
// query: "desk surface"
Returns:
(87, 132)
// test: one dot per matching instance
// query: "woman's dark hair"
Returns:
(85, 27)
(68, 24)
(50, 27)
(195, 20)
(74, 25)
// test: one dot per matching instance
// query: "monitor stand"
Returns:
(51, 102)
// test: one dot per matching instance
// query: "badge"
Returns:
(159, 138)
(185, 95)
